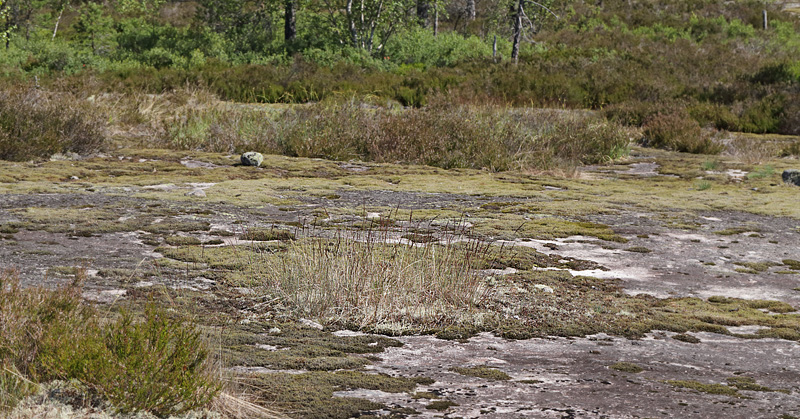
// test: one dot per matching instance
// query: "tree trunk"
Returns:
(55, 30)
(435, 19)
(470, 10)
(289, 25)
(517, 34)
(351, 23)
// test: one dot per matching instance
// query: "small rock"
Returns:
(312, 324)
(196, 192)
(251, 158)
(274, 331)
(791, 176)
(544, 288)
(74, 178)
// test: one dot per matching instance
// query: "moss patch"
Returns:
(683, 337)
(719, 389)
(264, 234)
(749, 383)
(627, 367)
(441, 405)
(312, 393)
(487, 373)
(182, 241)
(792, 264)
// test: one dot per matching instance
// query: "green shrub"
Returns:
(157, 365)
(677, 131)
(35, 124)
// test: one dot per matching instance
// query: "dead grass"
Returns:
(361, 280)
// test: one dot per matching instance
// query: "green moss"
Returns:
(627, 367)
(424, 395)
(488, 373)
(8, 229)
(638, 249)
(263, 234)
(756, 267)
(298, 347)
(683, 337)
(419, 238)
(735, 230)
(441, 405)
(749, 383)
(176, 225)
(720, 389)
(182, 241)
(63, 270)
(792, 264)
(312, 392)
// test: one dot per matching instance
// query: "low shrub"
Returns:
(677, 131)
(157, 365)
(441, 134)
(36, 124)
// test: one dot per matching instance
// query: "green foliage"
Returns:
(35, 124)
(419, 47)
(157, 365)
(92, 24)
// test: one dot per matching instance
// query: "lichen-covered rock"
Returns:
(251, 158)
(792, 176)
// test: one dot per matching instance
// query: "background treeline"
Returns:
(709, 60)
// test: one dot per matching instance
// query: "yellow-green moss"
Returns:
(488, 373)
(627, 367)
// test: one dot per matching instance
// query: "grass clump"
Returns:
(488, 373)
(627, 367)
(156, 365)
(360, 280)
(35, 124)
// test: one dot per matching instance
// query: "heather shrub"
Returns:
(677, 131)
(442, 134)
(36, 124)
(157, 365)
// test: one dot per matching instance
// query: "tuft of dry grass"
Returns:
(364, 280)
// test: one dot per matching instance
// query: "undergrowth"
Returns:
(441, 134)
(159, 365)
(35, 124)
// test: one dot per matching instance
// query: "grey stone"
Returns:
(196, 192)
(791, 176)
(251, 158)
